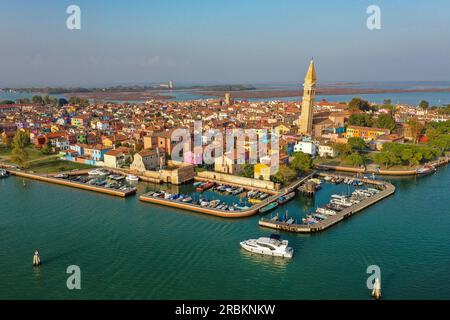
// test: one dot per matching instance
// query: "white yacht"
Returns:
(272, 246)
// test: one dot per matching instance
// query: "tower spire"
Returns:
(309, 93)
(311, 77)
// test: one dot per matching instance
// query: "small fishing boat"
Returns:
(425, 170)
(290, 221)
(132, 178)
(204, 203)
(205, 186)
(214, 203)
(263, 196)
(254, 201)
(269, 207)
(319, 216)
(326, 211)
(196, 184)
(237, 191)
(284, 199)
(187, 200)
(241, 207)
(309, 220)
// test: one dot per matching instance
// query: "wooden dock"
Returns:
(78, 185)
(387, 190)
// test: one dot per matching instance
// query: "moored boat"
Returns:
(132, 178)
(425, 170)
(205, 186)
(269, 207)
(284, 199)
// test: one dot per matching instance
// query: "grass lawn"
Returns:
(54, 165)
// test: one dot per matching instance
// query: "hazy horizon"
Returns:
(210, 42)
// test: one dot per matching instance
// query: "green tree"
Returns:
(284, 175)
(302, 162)
(19, 153)
(407, 155)
(37, 100)
(248, 170)
(342, 149)
(356, 143)
(441, 141)
(385, 121)
(424, 104)
(360, 119)
(47, 149)
(358, 104)
(6, 102)
(381, 158)
(355, 159)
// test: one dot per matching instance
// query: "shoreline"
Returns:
(442, 161)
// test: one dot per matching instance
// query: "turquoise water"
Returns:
(132, 250)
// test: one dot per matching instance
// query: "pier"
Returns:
(387, 190)
(52, 179)
(254, 210)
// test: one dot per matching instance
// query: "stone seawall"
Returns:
(242, 181)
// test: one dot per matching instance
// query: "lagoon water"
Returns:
(132, 250)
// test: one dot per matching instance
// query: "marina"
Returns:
(339, 208)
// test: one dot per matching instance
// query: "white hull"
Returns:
(267, 252)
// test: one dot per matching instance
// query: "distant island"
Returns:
(239, 91)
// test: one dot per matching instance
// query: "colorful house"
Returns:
(366, 133)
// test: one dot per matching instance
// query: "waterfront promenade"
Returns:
(387, 190)
(441, 161)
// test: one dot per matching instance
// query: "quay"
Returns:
(254, 210)
(387, 190)
(52, 179)
(441, 161)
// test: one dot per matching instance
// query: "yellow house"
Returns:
(366, 133)
(282, 129)
(262, 171)
(108, 142)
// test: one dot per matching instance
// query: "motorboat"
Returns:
(425, 170)
(284, 199)
(132, 178)
(269, 207)
(272, 246)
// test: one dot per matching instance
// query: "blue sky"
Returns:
(226, 41)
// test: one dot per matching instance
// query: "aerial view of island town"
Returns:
(226, 150)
